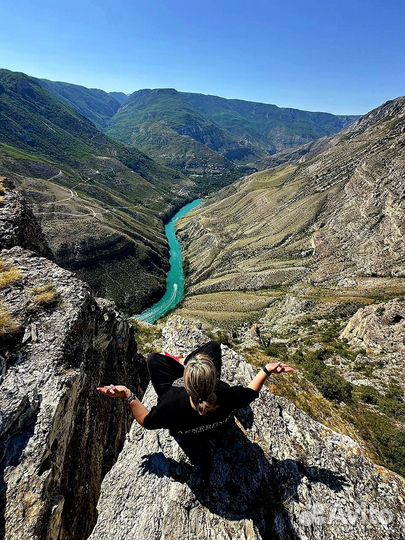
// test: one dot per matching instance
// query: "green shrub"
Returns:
(391, 404)
(387, 439)
(326, 378)
(277, 350)
(367, 394)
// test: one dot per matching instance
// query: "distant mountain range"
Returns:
(78, 155)
(100, 202)
(196, 133)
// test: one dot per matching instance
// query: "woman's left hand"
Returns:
(114, 391)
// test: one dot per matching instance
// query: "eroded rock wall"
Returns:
(58, 437)
(18, 226)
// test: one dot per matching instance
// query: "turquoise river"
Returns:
(175, 278)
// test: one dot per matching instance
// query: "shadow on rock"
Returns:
(12, 444)
(232, 477)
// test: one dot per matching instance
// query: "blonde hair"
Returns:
(200, 378)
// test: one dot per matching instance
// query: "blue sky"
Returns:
(342, 56)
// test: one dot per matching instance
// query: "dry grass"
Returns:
(2, 186)
(9, 326)
(8, 274)
(46, 296)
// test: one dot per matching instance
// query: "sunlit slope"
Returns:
(309, 226)
(100, 203)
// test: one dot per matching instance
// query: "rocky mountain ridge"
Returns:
(200, 134)
(332, 220)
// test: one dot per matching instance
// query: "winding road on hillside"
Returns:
(74, 195)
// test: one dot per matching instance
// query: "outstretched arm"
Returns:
(272, 368)
(138, 409)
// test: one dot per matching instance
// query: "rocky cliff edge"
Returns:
(275, 474)
(58, 437)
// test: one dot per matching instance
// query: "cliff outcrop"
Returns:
(18, 227)
(58, 437)
(275, 474)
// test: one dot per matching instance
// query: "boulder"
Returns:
(378, 328)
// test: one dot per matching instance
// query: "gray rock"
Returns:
(379, 328)
(58, 437)
(275, 474)
(18, 226)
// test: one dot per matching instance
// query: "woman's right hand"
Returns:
(115, 391)
(278, 368)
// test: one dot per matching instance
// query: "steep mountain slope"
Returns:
(99, 201)
(205, 136)
(305, 263)
(119, 96)
(333, 216)
(241, 131)
(96, 105)
(266, 127)
(161, 124)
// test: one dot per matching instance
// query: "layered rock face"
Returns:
(379, 328)
(58, 437)
(18, 227)
(379, 331)
(275, 474)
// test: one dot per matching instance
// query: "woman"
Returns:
(191, 396)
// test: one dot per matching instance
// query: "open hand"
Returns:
(278, 368)
(114, 391)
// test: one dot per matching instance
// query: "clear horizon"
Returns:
(344, 57)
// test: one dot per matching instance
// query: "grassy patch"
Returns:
(391, 404)
(326, 378)
(9, 326)
(16, 153)
(46, 296)
(145, 335)
(380, 434)
(278, 351)
(8, 274)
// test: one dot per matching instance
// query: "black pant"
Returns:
(164, 370)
